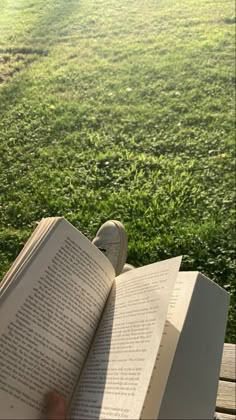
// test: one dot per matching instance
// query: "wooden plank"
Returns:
(224, 416)
(228, 363)
(226, 397)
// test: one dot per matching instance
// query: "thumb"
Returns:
(55, 407)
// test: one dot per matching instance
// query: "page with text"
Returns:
(117, 372)
(177, 310)
(48, 321)
(38, 235)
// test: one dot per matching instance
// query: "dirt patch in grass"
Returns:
(13, 60)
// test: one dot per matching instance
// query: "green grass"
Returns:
(121, 109)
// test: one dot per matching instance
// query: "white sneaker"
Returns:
(112, 241)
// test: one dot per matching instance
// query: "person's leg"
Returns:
(127, 267)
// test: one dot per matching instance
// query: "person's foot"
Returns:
(112, 241)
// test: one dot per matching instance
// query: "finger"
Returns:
(55, 407)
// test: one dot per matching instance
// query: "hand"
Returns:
(55, 407)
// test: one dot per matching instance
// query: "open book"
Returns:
(144, 345)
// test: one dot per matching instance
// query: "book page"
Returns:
(48, 320)
(39, 235)
(191, 388)
(117, 372)
(177, 310)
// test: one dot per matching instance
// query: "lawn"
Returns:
(121, 109)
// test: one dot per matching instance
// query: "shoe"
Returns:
(112, 241)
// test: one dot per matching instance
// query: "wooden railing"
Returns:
(225, 404)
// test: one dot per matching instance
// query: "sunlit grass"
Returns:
(121, 109)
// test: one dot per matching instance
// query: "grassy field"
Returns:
(121, 109)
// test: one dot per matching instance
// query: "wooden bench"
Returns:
(225, 403)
